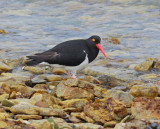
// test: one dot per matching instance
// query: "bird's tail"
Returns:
(32, 61)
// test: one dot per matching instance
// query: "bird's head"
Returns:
(96, 40)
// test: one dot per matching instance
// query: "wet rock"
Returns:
(75, 103)
(113, 40)
(135, 124)
(68, 90)
(4, 67)
(136, 82)
(111, 81)
(59, 71)
(38, 70)
(144, 108)
(26, 108)
(74, 119)
(41, 124)
(51, 78)
(92, 80)
(147, 90)
(121, 96)
(3, 124)
(82, 116)
(110, 124)
(19, 100)
(12, 62)
(3, 97)
(27, 117)
(37, 97)
(100, 92)
(2, 31)
(149, 76)
(60, 123)
(42, 104)
(87, 126)
(156, 64)
(4, 116)
(105, 110)
(144, 66)
(38, 79)
(4, 88)
(7, 103)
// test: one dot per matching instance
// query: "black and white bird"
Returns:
(72, 55)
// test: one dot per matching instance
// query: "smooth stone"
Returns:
(110, 124)
(4, 67)
(144, 66)
(82, 116)
(38, 70)
(87, 126)
(145, 90)
(149, 76)
(7, 103)
(51, 78)
(4, 116)
(37, 97)
(3, 97)
(41, 124)
(3, 124)
(59, 71)
(27, 117)
(4, 88)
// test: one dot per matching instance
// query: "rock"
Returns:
(27, 117)
(19, 100)
(147, 90)
(87, 126)
(2, 31)
(121, 96)
(12, 62)
(42, 104)
(38, 70)
(52, 112)
(60, 123)
(38, 79)
(82, 116)
(67, 91)
(37, 97)
(99, 91)
(149, 76)
(51, 78)
(24, 108)
(92, 80)
(41, 124)
(4, 67)
(7, 103)
(4, 88)
(74, 119)
(75, 103)
(59, 71)
(108, 109)
(144, 108)
(156, 64)
(3, 97)
(144, 66)
(136, 82)
(113, 40)
(3, 124)
(111, 81)
(4, 116)
(110, 124)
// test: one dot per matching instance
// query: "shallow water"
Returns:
(36, 25)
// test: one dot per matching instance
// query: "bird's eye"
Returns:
(93, 40)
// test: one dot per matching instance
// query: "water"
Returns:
(37, 25)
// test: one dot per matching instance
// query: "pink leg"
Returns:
(68, 74)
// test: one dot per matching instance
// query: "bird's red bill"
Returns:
(101, 49)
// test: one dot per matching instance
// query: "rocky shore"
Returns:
(104, 96)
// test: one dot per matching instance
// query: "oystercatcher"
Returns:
(72, 54)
